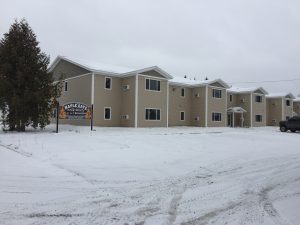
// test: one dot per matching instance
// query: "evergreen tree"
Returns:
(27, 92)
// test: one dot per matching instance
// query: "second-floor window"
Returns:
(182, 92)
(288, 102)
(152, 85)
(108, 83)
(258, 98)
(66, 86)
(230, 98)
(217, 93)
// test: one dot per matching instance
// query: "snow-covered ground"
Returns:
(179, 175)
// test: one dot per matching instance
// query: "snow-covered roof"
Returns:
(246, 89)
(236, 110)
(179, 81)
(112, 70)
(296, 99)
(280, 95)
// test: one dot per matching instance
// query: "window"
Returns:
(107, 82)
(152, 85)
(288, 102)
(216, 116)
(217, 93)
(107, 113)
(182, 116)
(182, 92)
(230, 98)
(66, 86)
(258, 98)
(152, 114)
(258, 118)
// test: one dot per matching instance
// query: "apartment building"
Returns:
(246, 107)
(197, 103)
(279, 107)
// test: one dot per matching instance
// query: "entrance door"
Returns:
(229, 119)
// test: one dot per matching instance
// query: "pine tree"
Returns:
(27, 91)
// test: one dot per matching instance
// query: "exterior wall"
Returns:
(259, 108)
(297, 108)
(152, 99)
(232, 103)
(198, 107)
(128, 102)
(244, 101)
(274, 111)
(288, 110)
(216, 105)
(79, 90)
(177, 104)
(65, 70)
(107, 98)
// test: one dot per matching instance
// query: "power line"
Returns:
(266, 81)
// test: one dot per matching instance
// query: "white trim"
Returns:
(150, 85)
(107, 107)
(110, 78)
(206, 104)
(167, 103)
(155, 68)
(136, 102)
(251, 109)
(282, 106)
(183, 116)
(70, 78)
(93, 89)
(152, 77)
(156, 114)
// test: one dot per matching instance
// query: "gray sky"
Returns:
(235, 40)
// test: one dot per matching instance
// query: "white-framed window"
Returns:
(182, 116)
(217, 93)
(258, 118)
(108, 83)
(107, 113)
(288, 102)
(152, 85)
(230, 98)
(216, 116)
(182, 92)
(258, 98)
(65, 86)
(152, 114)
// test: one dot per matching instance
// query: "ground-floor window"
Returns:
(182, 116)
(107, 113)
(152, 114)
(216, 116)
(258, 118)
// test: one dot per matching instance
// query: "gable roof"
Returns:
(187, 82)
(281, 95)
(107, 69)
(246, 90)
(296, 99)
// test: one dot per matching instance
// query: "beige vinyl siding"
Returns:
(233, 103)
(288, 110)
(79, 90)
(65, 70)
(274, 111)
(217, 105)
(128, 102)
(198, 107)
(177, 104)
(107, 98)
(244, 101)
(152, 99)
(259, 108)
(297, 108)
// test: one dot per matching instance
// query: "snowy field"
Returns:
(153, 176)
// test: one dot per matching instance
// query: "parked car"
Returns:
(292, 124)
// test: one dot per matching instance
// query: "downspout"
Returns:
(206, 104)
(167, 103)
(136, 102)
(251, 109)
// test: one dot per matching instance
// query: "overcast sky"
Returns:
(235, 40)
